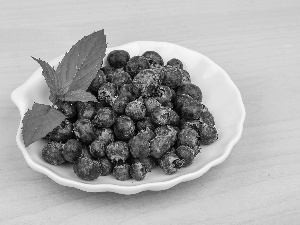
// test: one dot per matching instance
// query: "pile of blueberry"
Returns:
(147, 114)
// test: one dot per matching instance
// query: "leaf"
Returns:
(79, 95)
(80, 65)
(50, 77)
(39, 121)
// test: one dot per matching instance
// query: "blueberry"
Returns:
(190, 89)
(96, 83)
(120, 77)
(118, 58)
(106, 166)
(86, 110)
(151, 103)
(186, 78)
(168, 131)
(160, 116)
(136, 109)
(108, 93)
(207, 117)
(153, 58)
(53, 153)
(145, 83)
(208, 134)
(98, 149)
(138, 171)
(180, 100)
(144, 124)
(62, 133)
(108, 72)
(192, 110)
(84, 131)
(117, 151)
(139, 146)
(147, 134)
(121, 172)
(186, 154)
(148, 162)
(163, 94)
(124, 128)
(105, 117)
(174, 118)
(86, 168)
(105, 134)
(188, 137)
(172, 77)
(170, 163)
(175, 63)
(136, 64)
(72, 150)
(159, 146)
(68, 109)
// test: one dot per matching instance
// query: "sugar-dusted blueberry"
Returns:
(144, 124)
(62, 133)
(124, 128)
(159, 146)
(84, 131)
(138, 171)
(208, 134)
(53, 153)
(170, 163)
(175, 63)
(120, 104)
(67, 108)
(160, 116)
(127, 90)
(98, 149)
(136, 64)
(146, 82)
(108, 71)
(72, 150)
(139, 146)
(86, 168)
(207, 117)
(121, 172)
(120, 77)
(148, 162)
(118, 58)
(188, 137)
(186, 78)
(172, 77)
(168, 131)
(185, 153)
(174, 119)
(190, 89)
(192, 110)
(86, 110)
(105, 117)
(106, 166)
(180, 100)
(136, 109)
(163, 94)
(105, 134)
(108, 93)
(117, 151)
(151, 103)
(153, 58)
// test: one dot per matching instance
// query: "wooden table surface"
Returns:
(256, 42)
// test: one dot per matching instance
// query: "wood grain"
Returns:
(256, 42)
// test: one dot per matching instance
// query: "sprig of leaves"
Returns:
(68, 82)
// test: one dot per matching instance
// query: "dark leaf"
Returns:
(80, 65)
(50, 77)
(79, 95)
(39, 121)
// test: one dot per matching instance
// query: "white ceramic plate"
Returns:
(220, 95)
